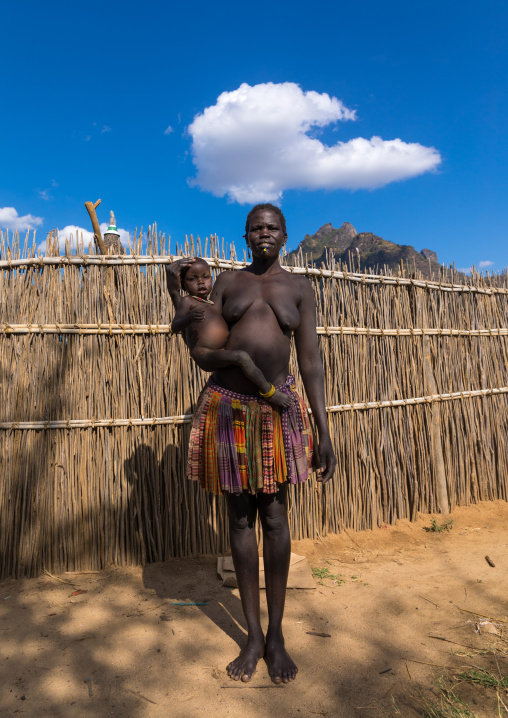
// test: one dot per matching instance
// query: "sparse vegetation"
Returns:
(338, 578)
(324, 572)
(448, 705)
(439, 528)
(483, 678)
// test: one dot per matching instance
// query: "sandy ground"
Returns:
(122, 649)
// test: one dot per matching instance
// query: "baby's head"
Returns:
(196, 279)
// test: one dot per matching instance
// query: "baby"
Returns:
(205, 332)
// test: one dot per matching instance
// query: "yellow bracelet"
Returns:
(269, 393)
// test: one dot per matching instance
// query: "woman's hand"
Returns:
(326, 460)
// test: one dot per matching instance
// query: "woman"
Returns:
(264, 306)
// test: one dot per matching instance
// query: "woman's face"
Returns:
(266, 236)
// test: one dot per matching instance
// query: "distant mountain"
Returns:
(373, 252)
(327, 236)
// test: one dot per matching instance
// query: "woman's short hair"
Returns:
(271, 208)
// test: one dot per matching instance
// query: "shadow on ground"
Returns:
(140, 655)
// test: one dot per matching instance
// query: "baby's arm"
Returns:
(257, 377)
(184, 316)
(211, 359)
(173, 278)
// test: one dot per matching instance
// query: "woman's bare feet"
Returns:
(281, 668)
(280, 399)
(244, 666)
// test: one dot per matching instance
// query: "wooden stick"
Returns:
(222, 263)
(90, 208)
(424, 663)
(437, 447)
(475, 613)
(326, 331)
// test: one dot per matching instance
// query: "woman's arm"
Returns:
(311, 369)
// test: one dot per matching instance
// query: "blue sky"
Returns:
(90, 92)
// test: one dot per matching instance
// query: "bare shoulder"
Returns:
(186, 302)
(302, 285)
(221, 287)
(224, 279)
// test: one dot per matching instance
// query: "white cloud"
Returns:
(45, 194)
(168, 130)
(71, 231)
(10, 219)
(253, 144)
(105, 129)
(481, 265)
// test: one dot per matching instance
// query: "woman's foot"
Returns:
(281, 668)
(280, 399)
(244, 666)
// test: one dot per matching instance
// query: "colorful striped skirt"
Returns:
(240, 442)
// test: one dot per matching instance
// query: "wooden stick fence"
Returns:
(221, 263)
(166, 329)
(187, 418)
(85, 344)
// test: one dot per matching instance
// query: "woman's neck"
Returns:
(260, 265)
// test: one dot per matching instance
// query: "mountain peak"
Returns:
(369, 250)
(327, 236)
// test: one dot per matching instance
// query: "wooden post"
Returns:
(99, 242)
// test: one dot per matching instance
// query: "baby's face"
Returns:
(198, 280)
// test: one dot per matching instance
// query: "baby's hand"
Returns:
(173, 272)
(197, 314)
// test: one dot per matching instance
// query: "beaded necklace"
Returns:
(206, 301)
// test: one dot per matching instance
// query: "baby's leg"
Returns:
(257, 377)
(211, 359)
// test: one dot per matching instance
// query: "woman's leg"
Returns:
(276, 556)
(242, 511)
